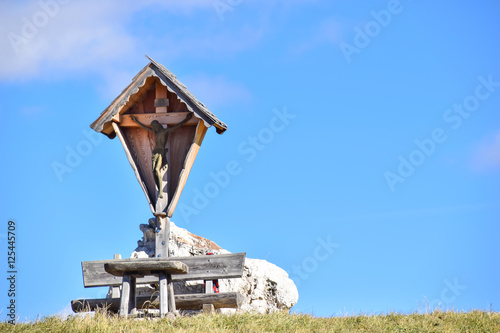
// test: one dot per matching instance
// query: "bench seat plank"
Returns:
(145, 267)
(222, 266)
(182, 302)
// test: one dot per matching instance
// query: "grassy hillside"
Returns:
(475, 321)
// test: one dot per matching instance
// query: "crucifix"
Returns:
(159, 159)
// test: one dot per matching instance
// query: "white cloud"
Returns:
(487, 154)
(326, 32)
(216, 91)
(188, 43)
(60, 38)
(48, 40)
(32, 111)
(180, 7)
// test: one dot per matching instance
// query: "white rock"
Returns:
(265, 286)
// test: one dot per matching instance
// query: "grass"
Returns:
(437, 321)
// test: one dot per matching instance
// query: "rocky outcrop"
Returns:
(265, 287)
(181, 243)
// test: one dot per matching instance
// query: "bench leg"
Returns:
(167, 297)
(127, 300)
(208, 308)
(132, 305)
(163, 294)
(171, 296)
(209, 286)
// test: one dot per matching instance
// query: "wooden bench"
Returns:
(129, 272)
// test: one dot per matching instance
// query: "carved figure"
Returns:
(159, 157)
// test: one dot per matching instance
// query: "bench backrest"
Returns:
(220, 266)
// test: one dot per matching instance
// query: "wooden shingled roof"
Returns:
(103, 124)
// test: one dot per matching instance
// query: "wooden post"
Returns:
(209, 286)
(132, 299)
(170, 296)
(209, 289)
(167, 300)
(115, 291)
(128, 300)
(161, 100)
(208, 308)
(162, 235)
(161, 104)
(163, 294)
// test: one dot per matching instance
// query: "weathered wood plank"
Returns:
(162, 285)
(161, 251)
(178, 144)
(146, 267)
(171, 118)
(209, 286)
(162, 236)
(171, 295)
(201, 130)
(221, 266)
(132, 302)
(176, 105)
(208, 308)
(127, 300)
(182, 302)
(131, 160)
(161, 95)
(220, 300)
(140, 144)
(115, 291)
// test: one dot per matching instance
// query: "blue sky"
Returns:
(366, 136)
